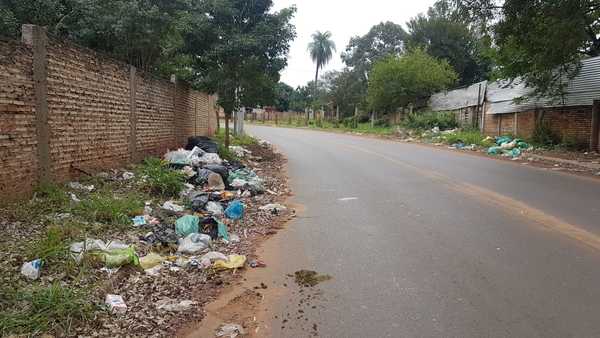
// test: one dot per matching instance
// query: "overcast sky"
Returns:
(344, 18)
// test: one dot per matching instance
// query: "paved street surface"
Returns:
(424, 242)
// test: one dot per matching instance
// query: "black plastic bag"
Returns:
(203, 143)
(219, 169)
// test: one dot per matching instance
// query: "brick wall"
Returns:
(499, 124)
(572, 123)
(18, 144)
(101, 113)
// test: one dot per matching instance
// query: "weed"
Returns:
(47, 199)
(53, 246)
(234, 140)
(225, 153)
(428, 120)
(571, 143)
(110, 209)
(467, 137)
(544, 136)
(159, 179)
(55, 308)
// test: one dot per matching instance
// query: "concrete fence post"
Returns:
(595, 137)
(132, 147)
(36, 38)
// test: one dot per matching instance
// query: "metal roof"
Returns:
(581, 91)
(459, 98)
(500, 95)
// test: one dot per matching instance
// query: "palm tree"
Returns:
(321, 50)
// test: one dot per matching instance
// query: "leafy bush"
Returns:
(364, 118)
(428, 120)
(382, 123)
(159, 179)
(544, 136)
(349, 122)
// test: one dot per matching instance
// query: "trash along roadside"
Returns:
(506, 147)
(170, 256)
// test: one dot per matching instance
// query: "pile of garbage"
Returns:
(507, 146)
(188, 233)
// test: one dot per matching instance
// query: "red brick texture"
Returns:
(89, 113)
(18, 144)
(572, 123)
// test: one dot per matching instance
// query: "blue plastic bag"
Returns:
(235, 210)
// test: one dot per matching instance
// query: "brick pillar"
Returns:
(132, 147)
(595, 137)
(35, 37)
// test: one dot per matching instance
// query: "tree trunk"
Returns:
(227, 117)
(218, 121)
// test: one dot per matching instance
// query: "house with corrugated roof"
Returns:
(498, 108)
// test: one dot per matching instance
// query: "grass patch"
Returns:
(110, 209)
(467, 137)
(240, 140)
(225, 153)
(55, 308)
(47, 199)
(159, 179)
(52, 247)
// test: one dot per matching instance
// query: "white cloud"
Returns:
(345, 20)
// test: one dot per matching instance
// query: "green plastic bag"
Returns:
(186, 225)
(119, 257)
(494, 150)
(515, 152)
(222, 230)
(242, 174)
(503, 139)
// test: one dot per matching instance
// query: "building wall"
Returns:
(569, 123)
(92, 123)
(18, 143)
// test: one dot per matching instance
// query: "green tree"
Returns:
(283, 96)
(300, 98)
(321, 50)
(362, 52)
(541, 42)
(410, 79)
(382, 40)
(144, 33)
(344, 90)
(53, 14)
(442, 34)
(238, 51)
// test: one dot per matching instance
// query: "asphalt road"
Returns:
(424, 242)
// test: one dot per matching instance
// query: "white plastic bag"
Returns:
(31, 270)
(193, 243)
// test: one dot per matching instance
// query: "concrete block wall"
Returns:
(64, 108)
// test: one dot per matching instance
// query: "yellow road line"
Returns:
(510, 205)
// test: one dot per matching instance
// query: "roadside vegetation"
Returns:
(58, 215)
